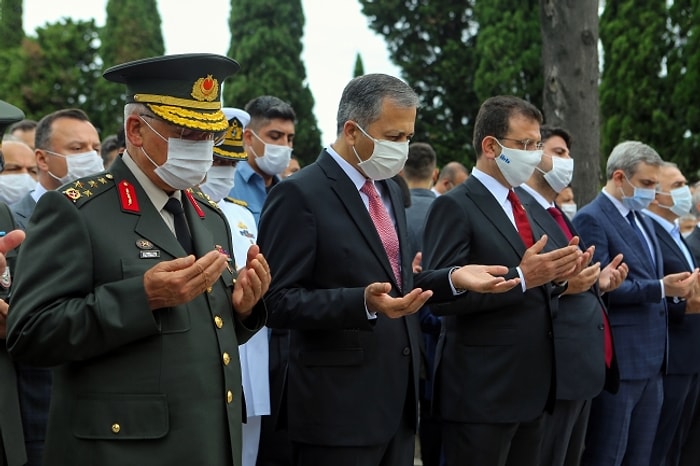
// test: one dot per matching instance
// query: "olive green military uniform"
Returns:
(131, 386)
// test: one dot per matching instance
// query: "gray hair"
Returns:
(627, 156)
(363, 97)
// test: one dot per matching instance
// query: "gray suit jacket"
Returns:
(23, 209)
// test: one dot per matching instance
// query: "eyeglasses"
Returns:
(528, 144)
(190, 134)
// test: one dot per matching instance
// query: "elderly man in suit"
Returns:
(495, 362)
(143, 310)
(582, 343)
(346, 288)
(622, 426)
(673, 199)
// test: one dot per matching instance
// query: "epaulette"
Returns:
(236, 201)
(203, 198)
(84, 189)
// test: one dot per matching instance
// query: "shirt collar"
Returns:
(355, 176)
(157, 196)
(494, 186)
(618, 205)
(537, 196)
(668, 226)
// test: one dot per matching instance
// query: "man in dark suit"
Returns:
(346, 288)
(582, 354)
(673, 199)
(12, 447)
(142, 313)
(495, 364)
(622, 426)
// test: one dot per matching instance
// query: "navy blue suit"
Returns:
(622, 426)
(681, 379)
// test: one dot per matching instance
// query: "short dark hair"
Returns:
(421, 161)
(494, 117)
(43, 129)
(109, 144)
(23, 125)
(264, 108)
(547, 131)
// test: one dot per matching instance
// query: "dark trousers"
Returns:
(508, 444)
(275, 448)
(622, 427)
(680, 396)
(565, 433)
(430, 436)
(398, 451)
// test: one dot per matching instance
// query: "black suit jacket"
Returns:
(348, 376)
(693, 242)
(495, 357)
(579, 344)
(683, 329)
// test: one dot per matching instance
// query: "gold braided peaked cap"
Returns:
(231, 147)
(8, 114)
(183, 89)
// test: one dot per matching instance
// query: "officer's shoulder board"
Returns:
(236, 201)
(203, 198)
(85, 189)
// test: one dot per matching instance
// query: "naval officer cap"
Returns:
(183, 89)
(231, 147)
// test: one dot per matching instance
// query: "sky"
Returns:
(330, 46)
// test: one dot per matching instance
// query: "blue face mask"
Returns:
(640, 199)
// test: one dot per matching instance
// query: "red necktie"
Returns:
(385, 228)
(559, 218)
(521, 221)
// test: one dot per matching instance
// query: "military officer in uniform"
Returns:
(12, 450)
(125, 288)
(254, 355)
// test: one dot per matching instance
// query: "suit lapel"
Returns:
(542, 221)
(625, 232)
(348, 195)
(493, 213)
(649, 229)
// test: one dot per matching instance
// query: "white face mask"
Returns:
(187, 163)
(275, 158)
(14, 187)
(79, 165)
(561, 174)
(387, 159)
(569, 209)
(219, 181)
(640, 199)
(517, 165)
(682, 200)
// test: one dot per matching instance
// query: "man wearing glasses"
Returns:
(128, 289)
(495, 361)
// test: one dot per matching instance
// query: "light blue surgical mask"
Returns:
(640, 199)
(682, 200)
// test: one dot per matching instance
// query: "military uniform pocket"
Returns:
(121, 417)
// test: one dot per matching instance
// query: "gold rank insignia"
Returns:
(72, 194)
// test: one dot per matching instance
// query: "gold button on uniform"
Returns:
(218, 321)
(229, 396)
(116, 428)
(226, 358)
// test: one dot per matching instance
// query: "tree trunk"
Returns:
(571, 76)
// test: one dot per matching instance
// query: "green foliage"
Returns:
(55, 69)
(436, 45)
(359, 67)
(634, 91)
(11, 32)
(266, 41)
(132, 31)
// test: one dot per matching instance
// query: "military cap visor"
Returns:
(8, 114)
(231, 147)
(183, 89)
